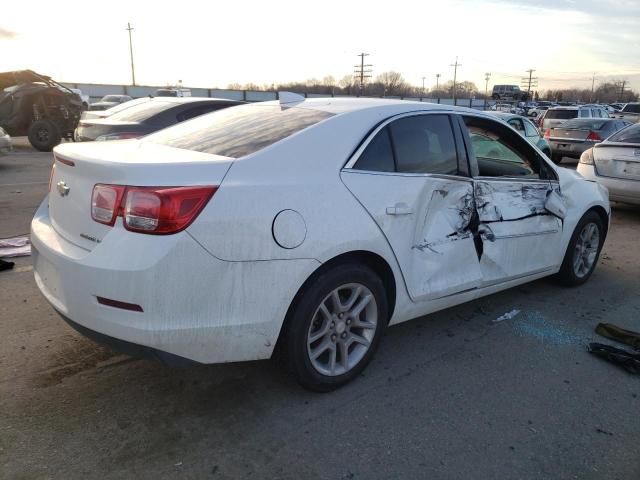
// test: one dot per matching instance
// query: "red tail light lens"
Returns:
(154, 210)
(547, 133)
(594, 137)
(105, 202)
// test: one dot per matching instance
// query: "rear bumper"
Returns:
(620, 190)
(569, 149)
(194, 305)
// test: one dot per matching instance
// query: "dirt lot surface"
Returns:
(454, 395)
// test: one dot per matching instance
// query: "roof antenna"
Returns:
(287, 98)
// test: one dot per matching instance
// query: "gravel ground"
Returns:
(454, 395)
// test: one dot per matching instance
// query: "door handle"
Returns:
(399, 209)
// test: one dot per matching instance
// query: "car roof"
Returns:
(565, 108)
(507, 116)
(191, 99)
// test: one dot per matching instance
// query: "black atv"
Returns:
(36, 106)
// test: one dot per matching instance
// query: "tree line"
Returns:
(393, 84)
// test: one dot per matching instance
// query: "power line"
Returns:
(133, 72)
(362, 71)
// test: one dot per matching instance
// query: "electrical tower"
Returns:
(133, 72)
(529, 82)
(455, 76)
(362, 71)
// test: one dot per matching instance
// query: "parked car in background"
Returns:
(34, 105)
(5, 142)
(109, 101)
(147, 117)
(509, 92)
(573, 137)
(631, 112)
(617, 106)
(506, 107)
(302, 228)
(527, 129)
(172, 92)
(558, 115)
(84, 97)
(615, 163)
(535, 112)
(110, 111)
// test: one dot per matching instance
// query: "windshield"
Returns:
(561, 114)
(125, 105)
(627, 135)
(141, 112)
(584, 124)
(238, 131)
(111, 98)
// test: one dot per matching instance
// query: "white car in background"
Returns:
(304, 228)
(615, 163)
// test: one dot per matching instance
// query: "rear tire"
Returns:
(44, 135)
(334, 327)
(556, 158)
(583, 251)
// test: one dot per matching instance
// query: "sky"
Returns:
(216, 43)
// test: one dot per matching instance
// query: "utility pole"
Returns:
(437, 81)
(622, 90)
(593, 82)
(362, 71)
(455, 75)
(423, 84)
(133, 72)
(487, 76)
(529, 82)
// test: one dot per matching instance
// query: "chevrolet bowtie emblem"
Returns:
(63, 188)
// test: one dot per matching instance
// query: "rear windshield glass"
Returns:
(635, 108)
(238, 131)
(561, 114)
(586, 124)
(627, 135)
(142, 111)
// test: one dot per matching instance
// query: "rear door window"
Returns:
(378, 155)
(239, 131)
(424, 144)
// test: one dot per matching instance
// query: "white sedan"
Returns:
(615, 163)
(303, 228)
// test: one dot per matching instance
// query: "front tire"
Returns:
(582, 253)
(44, 135)
(334, 327)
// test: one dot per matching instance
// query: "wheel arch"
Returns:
(373, 260)
(604, 216)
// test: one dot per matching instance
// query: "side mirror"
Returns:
(556, 205)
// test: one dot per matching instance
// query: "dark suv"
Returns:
(36, 106)
(509, 92)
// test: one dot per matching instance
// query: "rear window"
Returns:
(628, 135)
(238, 131)
(142, 111)
(584, 124)
(561, 114)
(632, 108)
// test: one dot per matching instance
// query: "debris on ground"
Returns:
(618, 334)
(15, 246)
(507, 316)
(623, 358)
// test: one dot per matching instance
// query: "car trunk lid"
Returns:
(79, 167)
(617, 160)
(569, 134)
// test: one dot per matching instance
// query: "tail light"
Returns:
(587, 157)
(547, 133)
(53, 171)
(594, 137)
(541, 119)
(153, 210)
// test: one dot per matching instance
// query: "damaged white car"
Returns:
(303, 228)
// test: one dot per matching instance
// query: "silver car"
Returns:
(558, 115)
(615, 163)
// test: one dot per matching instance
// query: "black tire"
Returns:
(44, 135)
(567, 275)
(293, 349)
(556, 158)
